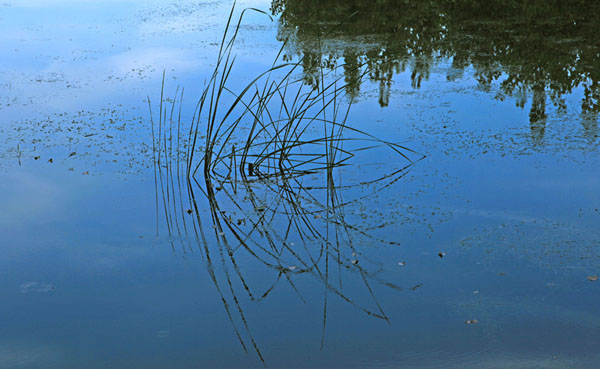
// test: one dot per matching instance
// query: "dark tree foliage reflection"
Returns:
(537, 50)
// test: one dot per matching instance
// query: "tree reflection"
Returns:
(534, 49)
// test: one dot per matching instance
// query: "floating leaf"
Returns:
(72, 154)
(50, 160)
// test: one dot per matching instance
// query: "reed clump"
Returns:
(268, 158)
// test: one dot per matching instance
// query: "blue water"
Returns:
(94, 274)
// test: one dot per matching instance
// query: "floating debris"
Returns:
(36, 157)
(401, 263)
(189, 211)
(476, 292)
(72, 154)
(86, 173)
(354, 262)
(472, 321)
(592, 278)
(292, 268)
(50, 161)
(441, 254)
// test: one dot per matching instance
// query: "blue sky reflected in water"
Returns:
(86, 281)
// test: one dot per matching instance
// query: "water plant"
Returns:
(269, 158)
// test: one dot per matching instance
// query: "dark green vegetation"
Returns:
(534, 48)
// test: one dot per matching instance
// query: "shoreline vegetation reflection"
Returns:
(537, 50)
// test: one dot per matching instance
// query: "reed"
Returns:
(267, 158)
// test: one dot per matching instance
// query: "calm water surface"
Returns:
(487, 213)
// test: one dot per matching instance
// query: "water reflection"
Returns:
(296, 235)
(535, 51)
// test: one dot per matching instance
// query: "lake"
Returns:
(299, 184)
